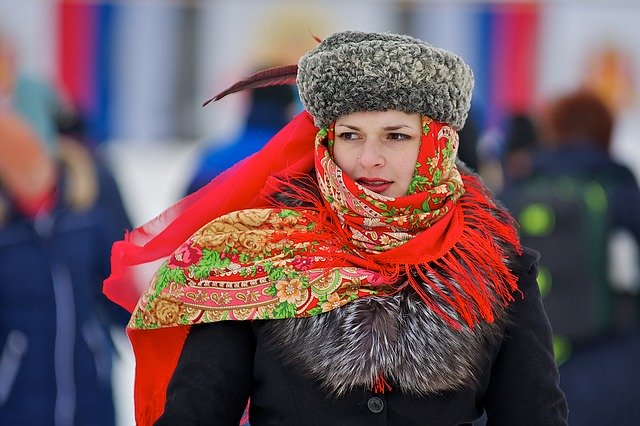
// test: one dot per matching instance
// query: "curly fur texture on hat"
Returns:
(356, 71)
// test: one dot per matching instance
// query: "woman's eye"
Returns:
(348, 136)
(399, 136)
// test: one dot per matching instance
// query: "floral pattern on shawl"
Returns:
(279, 262)
(242, 266)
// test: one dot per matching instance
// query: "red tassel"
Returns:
(380, 385)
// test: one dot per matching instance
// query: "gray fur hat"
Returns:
(356, 71)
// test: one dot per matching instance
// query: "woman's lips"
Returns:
(375, 184)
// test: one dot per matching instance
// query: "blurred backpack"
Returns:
(564, 217)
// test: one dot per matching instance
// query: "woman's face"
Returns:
(378, 149)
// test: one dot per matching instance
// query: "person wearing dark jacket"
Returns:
(268, 111)
(58, 218)
(578, 130)
(384, 287)
(591, 200)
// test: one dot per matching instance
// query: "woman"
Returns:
(391, 287)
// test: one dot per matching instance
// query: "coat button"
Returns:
(375, 404)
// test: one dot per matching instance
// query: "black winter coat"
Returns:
(225, 363)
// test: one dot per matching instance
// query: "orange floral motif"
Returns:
(333, 301)
(386, 240)
(253, 241)
(252, 218)
(166, 311)
(289, 290)
(216, 235)
(433, 162)
(401, 220)
(441, 189)
(352, 287)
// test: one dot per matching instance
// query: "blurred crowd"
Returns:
(579, 208)
(61, 209)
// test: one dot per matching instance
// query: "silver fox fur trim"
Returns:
(397, 337)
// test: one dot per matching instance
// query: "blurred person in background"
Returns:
(519, 150)
(570, 207)
(469, 136)
(269, 109)
(27, 95)
(577, 131)
(59, 215)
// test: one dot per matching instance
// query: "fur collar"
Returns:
(397, 337)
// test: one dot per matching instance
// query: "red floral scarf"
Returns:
(280, 262)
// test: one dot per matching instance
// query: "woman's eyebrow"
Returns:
(397, 127)
(349, 126)
(387, 128)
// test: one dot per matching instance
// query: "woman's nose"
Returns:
(371, 154)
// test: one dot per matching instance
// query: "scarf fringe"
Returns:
(472, 277)
(467, 284)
